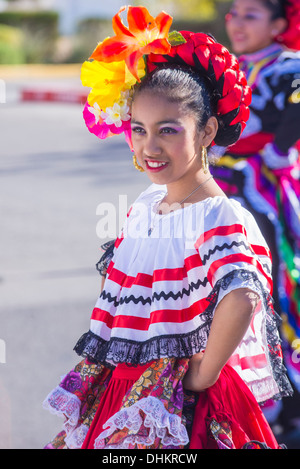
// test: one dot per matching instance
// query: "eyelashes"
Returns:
(137, 130)
(163, 130)
(248, 16)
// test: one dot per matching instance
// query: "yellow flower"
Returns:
(107, 81)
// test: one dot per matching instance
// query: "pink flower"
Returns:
(97, 125)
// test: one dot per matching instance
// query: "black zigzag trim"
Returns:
(221, 248)
(133, 352)
(180, 294)
(229, 246)
(156, 296)
(125, 300)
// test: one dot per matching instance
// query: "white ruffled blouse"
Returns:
(166, 278)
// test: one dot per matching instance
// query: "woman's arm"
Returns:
(103, 277)
(230, 323)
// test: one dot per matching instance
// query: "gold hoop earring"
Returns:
(205, 165)
(136, 165)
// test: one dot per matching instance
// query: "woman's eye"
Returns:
(168, 130)
(138, 130)
(251, 17)
(248, 16)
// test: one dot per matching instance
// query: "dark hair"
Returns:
(276, 7)
(186, 86)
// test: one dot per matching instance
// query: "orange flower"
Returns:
(144, 35)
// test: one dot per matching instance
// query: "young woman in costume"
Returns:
(183, 341)
(262, 169)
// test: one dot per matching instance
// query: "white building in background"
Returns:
(70, 11)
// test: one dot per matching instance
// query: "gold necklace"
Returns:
(180, 203)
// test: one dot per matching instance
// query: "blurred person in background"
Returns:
(262, 169)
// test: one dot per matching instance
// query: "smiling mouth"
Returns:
(239, 37)
(156, 164)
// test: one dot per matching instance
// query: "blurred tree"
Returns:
(11, 42)
(195, 10)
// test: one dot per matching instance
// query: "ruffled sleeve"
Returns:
(235, 255)
(231, 241)
(104, 261)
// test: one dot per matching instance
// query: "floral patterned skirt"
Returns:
(146, 407)
(122, 380)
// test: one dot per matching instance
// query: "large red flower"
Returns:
(144, 35)
(211, 59)
(291, 36)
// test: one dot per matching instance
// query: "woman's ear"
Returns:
(278, 27)
(210, 131)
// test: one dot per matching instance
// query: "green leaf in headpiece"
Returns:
(175, 38)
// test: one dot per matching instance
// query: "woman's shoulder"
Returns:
(226, 217)
(287, 65)
(225, 211)
(289, 55)
(219, 204)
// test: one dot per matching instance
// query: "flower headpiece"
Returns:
(291, 36)
(121, 61)
(117, 66)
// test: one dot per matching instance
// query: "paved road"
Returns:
(53, 176)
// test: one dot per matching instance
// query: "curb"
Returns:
(49, 92)
(46, 95)
(15, 72)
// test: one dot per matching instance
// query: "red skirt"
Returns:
(229, 403)
(123, 377)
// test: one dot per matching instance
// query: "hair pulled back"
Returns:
(276, 7)
(290, 10)
(205, 78)
(182, 85)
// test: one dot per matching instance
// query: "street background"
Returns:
(53, 175)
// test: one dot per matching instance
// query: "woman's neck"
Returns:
(253, 64)
(261, 54)
(201, 189)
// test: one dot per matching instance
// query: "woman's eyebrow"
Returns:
(133, 121)
(249, 9)
(253, 10)
(167, 121)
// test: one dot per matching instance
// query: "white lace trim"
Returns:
(157, 419)
(66, 405)
(75, 439)
(263, 389)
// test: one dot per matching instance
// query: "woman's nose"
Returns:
(152, 146)
(237, 22)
